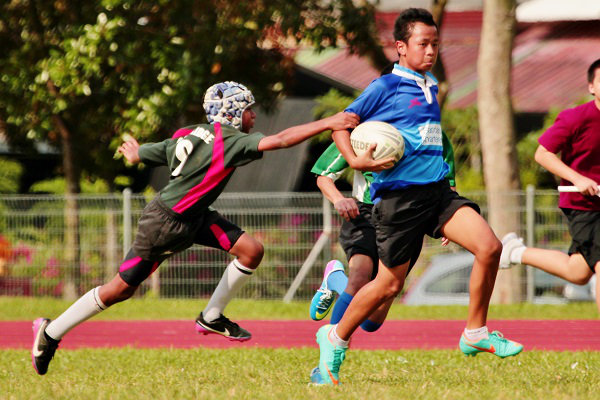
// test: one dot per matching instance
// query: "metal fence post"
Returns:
(320, 245)
(530, 232)
(126, 220)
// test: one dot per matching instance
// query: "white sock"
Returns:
(335, 339)
(234, 277)
(516, 255)
(475, 335)
(86, 307)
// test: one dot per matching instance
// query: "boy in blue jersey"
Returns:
(412, 198)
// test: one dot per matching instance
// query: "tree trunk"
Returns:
(437, 10)
(72, 251)
(498, 133)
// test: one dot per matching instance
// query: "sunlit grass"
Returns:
(253, 373)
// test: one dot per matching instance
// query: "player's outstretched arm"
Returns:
(129, 149)
(552, 163)
(345, 206)
(296, 134)
(365, 161)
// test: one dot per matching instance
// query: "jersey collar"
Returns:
(424, 82)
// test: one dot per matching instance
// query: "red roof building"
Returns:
(550, 60)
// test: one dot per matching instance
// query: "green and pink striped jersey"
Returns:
(201, 159)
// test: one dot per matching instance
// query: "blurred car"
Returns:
(446, 281)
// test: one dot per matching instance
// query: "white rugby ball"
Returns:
(389, 141)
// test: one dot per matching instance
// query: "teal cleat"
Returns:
(323, 300)
(331, 357)
(496, 344)
(315, 376)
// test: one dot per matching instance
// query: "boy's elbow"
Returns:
(539, 154)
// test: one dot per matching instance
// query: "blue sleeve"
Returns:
(369, 101)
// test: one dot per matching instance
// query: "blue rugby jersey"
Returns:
(408, 101)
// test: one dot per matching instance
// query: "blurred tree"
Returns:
(78, 73)
(497, 131)
(439, 71)
(97, 69)
(10, 173)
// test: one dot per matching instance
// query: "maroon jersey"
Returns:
(201, 159)
(576, 135)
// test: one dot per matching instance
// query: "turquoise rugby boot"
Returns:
(331, 357)
(323, 299)
(496, 344)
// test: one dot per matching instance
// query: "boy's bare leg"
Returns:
(378, 316)
(572, 268)
(468, 229)
(386, 285)
(361, 269)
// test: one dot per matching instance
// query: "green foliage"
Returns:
(58, 186)
(113, 66)
(462, 128)
(531, 172)
(10, 173)
(329, 104)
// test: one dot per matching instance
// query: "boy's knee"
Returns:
(258, 251)
(112, 294)
(393, 290)
(356, 281)
(489, 251)
(252, 254)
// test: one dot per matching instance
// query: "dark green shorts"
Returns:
(163, 232)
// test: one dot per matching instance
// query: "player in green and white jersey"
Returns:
(357, 238)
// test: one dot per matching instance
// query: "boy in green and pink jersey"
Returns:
(201, 159)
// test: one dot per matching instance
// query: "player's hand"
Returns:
(129, 149)
(445, 241)
(587, 186)
(342, 121)
(347, 208)
(365, 161)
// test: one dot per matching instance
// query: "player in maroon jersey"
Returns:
(576, 136)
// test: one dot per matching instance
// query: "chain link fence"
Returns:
(36, 258)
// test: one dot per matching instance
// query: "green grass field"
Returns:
(252, 373)
(283, 374)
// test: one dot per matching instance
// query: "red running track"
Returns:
(421, 334)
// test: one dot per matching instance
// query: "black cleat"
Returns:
(43, 348)
(222, 326)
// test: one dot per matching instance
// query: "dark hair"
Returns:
(405, 22)
(592, 69)
(388, 68)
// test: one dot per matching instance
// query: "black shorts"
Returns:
(584, 227)
(403, 217)
(162, 233)
(357, 236)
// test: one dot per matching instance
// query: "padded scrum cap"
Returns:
(225, 102)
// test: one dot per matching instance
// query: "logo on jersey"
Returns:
(431, 134)
(414, 103)
(203, 134)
